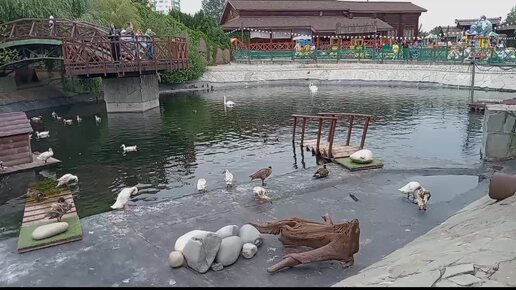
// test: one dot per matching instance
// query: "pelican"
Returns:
(68, 122)
(67, 179)
(97, 119)
(41, 135)
(79, 119)
(229, 104)
(123, 197)
(201, 185)
(129, 148)
(37, 119)
(45, 155)
(262, 174)
(228, 178)
(313, 88)
(260, 194)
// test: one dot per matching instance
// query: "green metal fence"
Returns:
(441, 54)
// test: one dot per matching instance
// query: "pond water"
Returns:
(192, 135)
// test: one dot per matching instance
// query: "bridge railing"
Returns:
(123, 54)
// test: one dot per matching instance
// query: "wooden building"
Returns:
(15, 130)
(276, 20)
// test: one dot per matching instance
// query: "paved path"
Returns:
(475, 247)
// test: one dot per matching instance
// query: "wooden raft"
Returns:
(27, 166)
(338, 150)
(34, 216)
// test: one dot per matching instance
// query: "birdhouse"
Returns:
(15, 131)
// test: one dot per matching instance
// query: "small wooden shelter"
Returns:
(15, 131)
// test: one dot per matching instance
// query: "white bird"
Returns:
(36, 119)
(123, 198)
(228, 178)
(45, 155)
(201, 185)
(59, 118)
(79, 119)
(410, 189)
(54, 115)
(68, 122)
(129, 148)
(229, 104)
(313, 88)
(67, 179)
(260, 194)
(97, 119)
(44, 134)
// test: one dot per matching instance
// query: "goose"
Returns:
(322, 172)
(97, 119)
(36, 195)
(228, 178)
(59, 209)
(410, 189)
(262, 174)
(201, 185)
(313, 88)
(68, 122)
(422, 197)
(123, 197)
(67, 179)
(41, 135)
(45, 155)
(129, 148)
(37, 119)
(260, 194)
(79, 119)
(54, 115)
(229, 104)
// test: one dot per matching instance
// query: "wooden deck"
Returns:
(28, 166)
(339, 151)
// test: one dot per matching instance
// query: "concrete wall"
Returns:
(132, 94)
(499, 139)
(7, 84)
(452, 75)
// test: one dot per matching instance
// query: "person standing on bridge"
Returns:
(149, 35)
(114, 36)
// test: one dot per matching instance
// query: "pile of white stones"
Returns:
(202, 250)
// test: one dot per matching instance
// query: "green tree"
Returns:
(118, 12)
(213, 8)
(511, 17)
(15, 9)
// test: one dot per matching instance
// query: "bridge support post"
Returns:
(131, 94)
(7, 84)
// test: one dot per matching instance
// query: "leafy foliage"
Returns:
(213, 8)
(15, 9)
(511, 16)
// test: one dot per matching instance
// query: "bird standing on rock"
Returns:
(262, 174)
(322, 172)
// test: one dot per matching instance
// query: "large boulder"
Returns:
(249, 250)
(229, 250)
(219, 59)
(182, 240)
(176, 259)
(50, 230)
(250, 234)
(226, 56)
(228, 231)
(200, 251)
(362, 156)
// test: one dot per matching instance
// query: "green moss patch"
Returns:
(352, 166)
(47, 186)
(27, 243)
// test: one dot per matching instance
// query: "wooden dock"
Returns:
(338, 150)
(28, 166)
(34, 216)
(480, 105)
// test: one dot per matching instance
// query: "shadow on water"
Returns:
(193, 135)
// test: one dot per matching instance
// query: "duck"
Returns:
(67, 179)
(228, 178)
(79, 119)
(123, 197)
(59, 209)
(59, 118)
(229, 104)
(201, 185)
(410, 189)
(322, 172)
(313, 88)
(422, 198)
(97, 119)
(41, 135)
(129, 148)
(262, 174)
(37, 119)
(260, 194)
(68, 122)
(54, 115)
(36, 195)
(46, 155)
(266, 139)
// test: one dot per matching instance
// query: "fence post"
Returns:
(472, 88)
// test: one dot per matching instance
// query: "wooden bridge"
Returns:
(87, 50)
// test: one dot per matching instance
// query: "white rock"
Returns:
(363, 156)
(182, 240)
(249, 250)
(50, 230)
(200, 251)
(229, 251)
(176, 259)
(250, 234)
(228, 231)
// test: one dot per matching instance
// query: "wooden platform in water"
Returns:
(34, 216)
(27, 166)
(339, 151)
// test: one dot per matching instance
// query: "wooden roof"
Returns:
(469, 22)
(317, 23)
(325, 5)
(14, 124)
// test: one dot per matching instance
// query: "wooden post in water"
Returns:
(294, 130)
(364, 133)
(319, 134)
(333, 126)
(472, 88)
(350, 128)
(303, 132)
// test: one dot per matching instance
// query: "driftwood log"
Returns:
(329, 241)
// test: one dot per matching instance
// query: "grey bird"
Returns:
(59, 209)
(262, 174)
(322, 172)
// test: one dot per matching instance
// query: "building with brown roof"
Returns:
(281, 19)
(15, 130)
